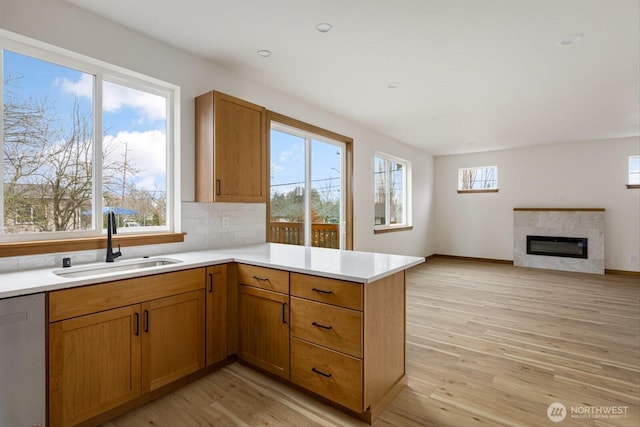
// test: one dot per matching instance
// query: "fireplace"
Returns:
(570, 247)
(550, 252)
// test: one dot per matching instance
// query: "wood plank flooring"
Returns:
(487, 345)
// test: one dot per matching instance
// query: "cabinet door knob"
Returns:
(284, 309)
(210, 283)
(217, 187)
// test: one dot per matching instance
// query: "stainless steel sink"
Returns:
(96, 269)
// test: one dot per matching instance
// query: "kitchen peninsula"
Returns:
(329, 322)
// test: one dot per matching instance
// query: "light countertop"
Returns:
(354, 266)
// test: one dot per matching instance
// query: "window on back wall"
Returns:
(483, 179)
(634, 172)
(392, 192)
(79, 140)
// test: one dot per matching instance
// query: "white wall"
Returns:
(64, 25)
(589, 174)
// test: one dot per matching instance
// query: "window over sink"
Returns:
(80, 138)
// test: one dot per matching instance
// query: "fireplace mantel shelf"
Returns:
(560, 209)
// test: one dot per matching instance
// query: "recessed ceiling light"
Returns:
(324, 27)
(264, 53)
(393, 85)
(571, 39)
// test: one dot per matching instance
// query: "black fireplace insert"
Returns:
(572, 247)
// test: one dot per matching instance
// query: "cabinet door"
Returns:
(264, 329)
(94, 364)
(172, 338)
(240, 150)
(216, 325)
(231, 150)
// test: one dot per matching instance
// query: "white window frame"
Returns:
(633, 183)
(461, 172)
(102, 71)
(407, 220)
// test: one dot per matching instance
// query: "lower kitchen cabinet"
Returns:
(172, 338)
(264, 329)
(94, 364)
(331, 374)
(348, 340)
(101, 356)
(115, 345)
(217, 314)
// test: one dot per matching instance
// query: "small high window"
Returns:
(634, 172)
(483, 179)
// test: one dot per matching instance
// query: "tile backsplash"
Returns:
(202, 223)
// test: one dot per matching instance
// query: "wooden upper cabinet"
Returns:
(231, 150)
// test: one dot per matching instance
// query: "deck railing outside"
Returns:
(322, 235)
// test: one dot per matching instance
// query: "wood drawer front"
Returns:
(68, 303)
(330, 374)
(330, 291)
(265, 278)
(337, 328)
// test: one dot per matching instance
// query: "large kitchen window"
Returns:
(309, 200)
(80, 139)
(392, 190)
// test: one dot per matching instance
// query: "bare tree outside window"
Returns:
(49, 150)
(47, 163)
(478, 178)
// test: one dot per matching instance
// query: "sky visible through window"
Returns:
(288, 160)
(129, 114)
(134, 124)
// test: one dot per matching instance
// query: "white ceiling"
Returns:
(474, 75)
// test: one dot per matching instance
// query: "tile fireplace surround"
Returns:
(559, 222)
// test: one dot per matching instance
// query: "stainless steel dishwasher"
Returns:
(22, 361)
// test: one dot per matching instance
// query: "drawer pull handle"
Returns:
(321, 373)
(321, 326)
(262, 279)
(321, 291)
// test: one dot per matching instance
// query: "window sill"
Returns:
(84, 244)
(494, 190)
(629, 186)
(391, 229)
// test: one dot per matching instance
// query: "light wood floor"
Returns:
(487, 345)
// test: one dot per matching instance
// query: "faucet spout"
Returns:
(111, 230)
